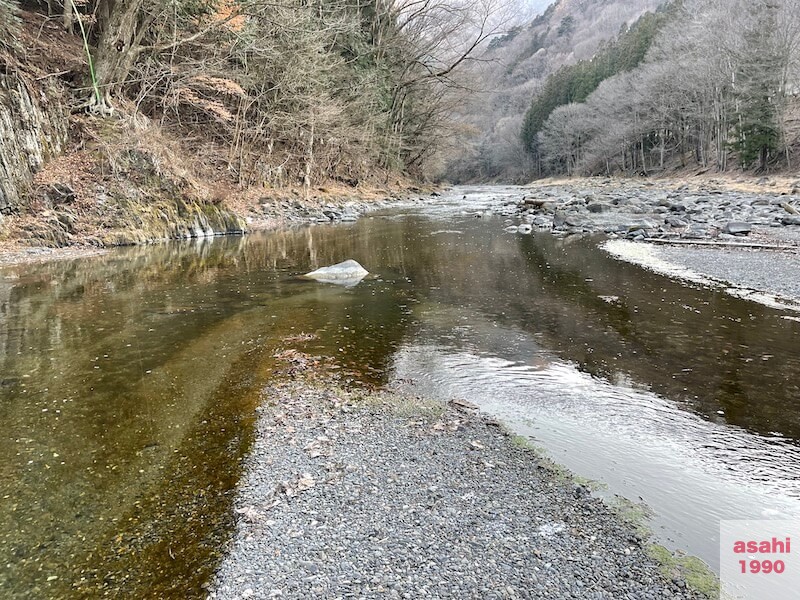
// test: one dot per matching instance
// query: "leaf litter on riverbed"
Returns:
(300, 360)
(306, 482)
(319, 447)
(300, 337)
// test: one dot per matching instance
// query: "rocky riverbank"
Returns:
(636, 209)
(742, 236)
(356, 494)
(286, 210)
(770, 277)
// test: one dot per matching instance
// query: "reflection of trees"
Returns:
(360, 326)
(701, 346)
(663, 335)
(178, 333)
(203, 318)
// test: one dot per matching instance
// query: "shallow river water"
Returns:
(128, 382)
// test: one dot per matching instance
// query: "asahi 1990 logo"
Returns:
(756, 548)
(757, 560)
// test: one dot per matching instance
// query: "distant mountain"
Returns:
(514, 68)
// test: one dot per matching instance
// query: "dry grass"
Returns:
(130, 178)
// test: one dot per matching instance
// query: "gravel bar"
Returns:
(364, 495)
(716, 215)
(763, 270)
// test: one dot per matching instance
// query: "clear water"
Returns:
(128, 382)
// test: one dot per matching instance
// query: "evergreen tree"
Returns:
(576, 82)
(566, 27)
(757, 88)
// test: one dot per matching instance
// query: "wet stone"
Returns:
(737, 228)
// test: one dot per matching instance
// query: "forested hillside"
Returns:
(575, 83)
(209, 101)
(717, 89)
(515, 69)
(196, 115)
(606, 86)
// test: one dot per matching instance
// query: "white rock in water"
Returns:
(348, 272)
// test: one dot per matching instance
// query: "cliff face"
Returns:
(33, 128)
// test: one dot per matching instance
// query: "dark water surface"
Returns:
(128, 382)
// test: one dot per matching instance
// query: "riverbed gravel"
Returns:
(347, 497)
(764, 270)
(743, 234)
(14, 254)
(643, 209)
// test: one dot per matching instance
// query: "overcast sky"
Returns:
(538, 6)
(531, 8)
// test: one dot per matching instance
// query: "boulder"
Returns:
(598, 207)
(737, 228)
(790, 209)
(643, 224)
(542, 222)
(348, 272)
(675, 222)
(696, 232)
(535, 202)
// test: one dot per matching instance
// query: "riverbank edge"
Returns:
(14, 252)
(742, 285)
(779, 183)
(689, 572)
(679, 227)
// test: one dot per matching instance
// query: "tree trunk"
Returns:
(309, 161)
(644, 159)
(117, 50)
(69, 15)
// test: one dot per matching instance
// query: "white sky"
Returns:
(528, 9)
(538, 6)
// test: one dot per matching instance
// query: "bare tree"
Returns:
(426, 43)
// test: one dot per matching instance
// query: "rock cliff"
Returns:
(33, 128)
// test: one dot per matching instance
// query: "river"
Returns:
(128, 382)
